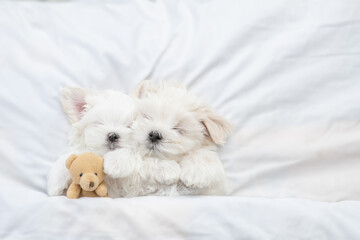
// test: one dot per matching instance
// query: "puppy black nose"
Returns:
(113, 137)
(154, 136)
(91, 184)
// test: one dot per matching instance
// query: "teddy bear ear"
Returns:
(70, 160)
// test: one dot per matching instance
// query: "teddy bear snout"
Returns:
(89, 182)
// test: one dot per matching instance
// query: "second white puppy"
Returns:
(176, 137)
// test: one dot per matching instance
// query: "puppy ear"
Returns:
(70, 160)
(144, 88)
(74, 102)
(216, 127)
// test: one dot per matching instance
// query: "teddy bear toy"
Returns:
(87, 175)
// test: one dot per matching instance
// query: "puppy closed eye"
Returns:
(98, 124)
(146, 116)
(179, 130)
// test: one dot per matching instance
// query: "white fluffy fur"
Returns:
(93, 115)
(184, 162)
(186, 159)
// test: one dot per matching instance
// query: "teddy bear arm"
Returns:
(73, 191)
(102, 190)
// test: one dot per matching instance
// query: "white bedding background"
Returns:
(286, 73)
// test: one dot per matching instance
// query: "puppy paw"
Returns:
(168, 172)
(111, 165)
(118, 163)
(57, 190)
(59, 178)
(195, 178)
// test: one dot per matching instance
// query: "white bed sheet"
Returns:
(286, 73)
(159, 218)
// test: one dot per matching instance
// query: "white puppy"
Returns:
(100, 123)
(176, 137)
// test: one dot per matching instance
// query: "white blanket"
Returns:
(286, 73)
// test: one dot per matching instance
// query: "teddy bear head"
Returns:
(86, 170)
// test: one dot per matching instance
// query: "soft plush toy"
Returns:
(86, 171)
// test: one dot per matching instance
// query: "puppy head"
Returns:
(100, 120)
(170, 121)
(86, 170)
